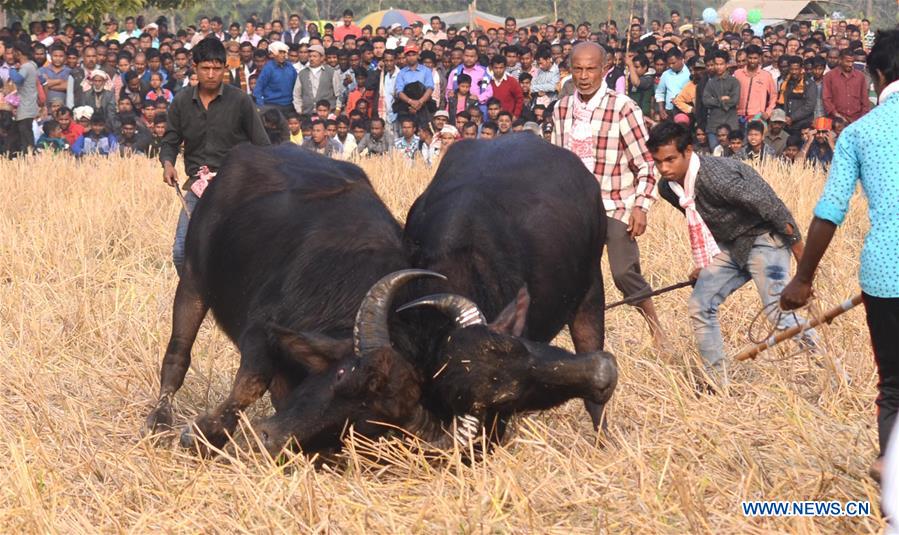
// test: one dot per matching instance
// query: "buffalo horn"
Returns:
(371, 330)
(463, 310)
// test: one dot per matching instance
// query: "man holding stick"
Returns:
(606, 131)
(210, 119)
(739, 231)
(864, 153)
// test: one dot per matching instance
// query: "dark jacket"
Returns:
(799, 103)
(452, 103)
(737, 205)
(718, 112)
(700, 112)
(105, 104)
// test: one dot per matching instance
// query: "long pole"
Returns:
(752, 351)
(627, 49)
(644, 296)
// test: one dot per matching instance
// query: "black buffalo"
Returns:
(283, 248)
(516, 226)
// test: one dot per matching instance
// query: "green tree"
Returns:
(89, 11)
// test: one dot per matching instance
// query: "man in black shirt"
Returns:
(210, 119)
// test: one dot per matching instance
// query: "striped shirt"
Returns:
(609, 136)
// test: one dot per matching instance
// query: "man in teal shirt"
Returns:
(866, 153)
(671, 82)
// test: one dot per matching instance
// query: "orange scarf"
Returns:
(799, 89)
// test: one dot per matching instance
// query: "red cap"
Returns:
(410, 48)
(822, 123)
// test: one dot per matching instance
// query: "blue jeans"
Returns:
(768, 267)
(191, 200)
(713, 139)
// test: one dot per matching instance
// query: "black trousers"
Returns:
(21, 137)
(883, 324)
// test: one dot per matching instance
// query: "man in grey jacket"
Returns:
(100, 99)
(25, 78)
(739, 231)
(798, 96)
(318, 81)
(720, 98)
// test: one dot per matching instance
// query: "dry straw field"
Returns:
(86, 286)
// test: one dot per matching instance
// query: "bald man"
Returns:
(606, 131)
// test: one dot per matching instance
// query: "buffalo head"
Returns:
(364, 381)
(481, 369)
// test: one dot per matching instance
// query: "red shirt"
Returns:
(340, 32)
(846, 94)
(509, 94)
(74, 132)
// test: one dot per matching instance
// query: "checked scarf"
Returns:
(702, 243)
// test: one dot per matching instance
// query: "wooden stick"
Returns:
(753, 350)
(181, 198)
(643, 297)
(627, 48)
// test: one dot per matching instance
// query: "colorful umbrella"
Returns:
(390, 16)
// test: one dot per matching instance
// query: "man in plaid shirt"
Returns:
(606, 132)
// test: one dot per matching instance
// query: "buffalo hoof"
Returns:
(159, 420)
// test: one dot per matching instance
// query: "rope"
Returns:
(774, 314)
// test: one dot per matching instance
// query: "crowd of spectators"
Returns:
(342, 90)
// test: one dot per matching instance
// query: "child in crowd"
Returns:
(462, 98)
(157, 92)
(359, 92)
(305, 127)
(504, 122)
(489, 130)
(756, 150)
(323, 110)
(160, 122)
(293, 126)
(792, 149)
(734, 143)
(96, 140)
(52, 138)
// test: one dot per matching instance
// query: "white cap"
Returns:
(82, 112)
(278, 46)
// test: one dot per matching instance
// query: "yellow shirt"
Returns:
(297, 138)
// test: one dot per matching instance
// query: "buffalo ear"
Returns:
(314, 351)
(512, 319)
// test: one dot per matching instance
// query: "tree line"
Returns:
(883, 12)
